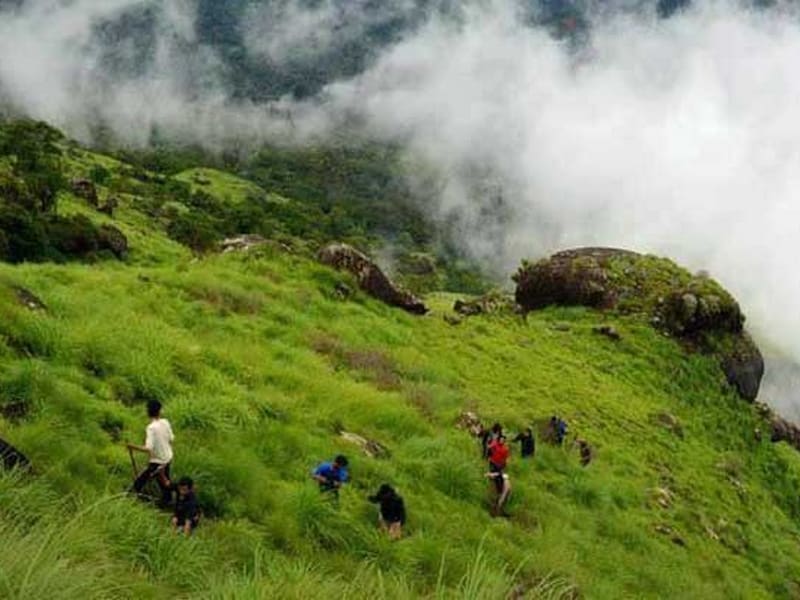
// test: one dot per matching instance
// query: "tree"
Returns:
(36, 159)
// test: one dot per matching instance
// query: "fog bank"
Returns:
(679, 137)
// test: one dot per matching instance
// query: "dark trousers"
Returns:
(193, 522)
(161, 474)
(498, 480)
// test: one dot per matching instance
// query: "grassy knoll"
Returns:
(258, 364)
(223, 186)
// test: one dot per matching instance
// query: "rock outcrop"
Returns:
(784, 431)
(370, 448)
(490, 303)
(781, 430)
(469, 421)
(743, 366)
(370, 278)
(83, 188)
(571, 278)
(28, 299)
(112, 239)
(692, 308)
(242, 243)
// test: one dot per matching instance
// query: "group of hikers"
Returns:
(392, 509)
(158, 447)
(330, 476)
(494, 449)
(180, 496)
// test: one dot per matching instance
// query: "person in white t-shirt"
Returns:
(158, 445)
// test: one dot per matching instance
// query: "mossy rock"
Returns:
(692, 308)
(570, 278)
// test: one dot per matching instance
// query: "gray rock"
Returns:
(242, 243)
(369, 447)
(744, 367)
(370, 278)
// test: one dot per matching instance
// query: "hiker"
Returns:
(158, 445)
(484, 437)
(561, 431)
(586, 452)
(527, 443)
(557, 430)
(502, 484)
(497, 431)
(498, 457)
(187, 514)
(331, 475)
(392, 510)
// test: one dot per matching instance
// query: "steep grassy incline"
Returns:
(258, 364)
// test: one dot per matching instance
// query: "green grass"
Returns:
(224, 186)
(259, 364)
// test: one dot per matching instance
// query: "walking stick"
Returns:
(133, 464)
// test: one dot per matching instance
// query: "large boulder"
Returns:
(692, 308)
(571, 278)
(370, 278)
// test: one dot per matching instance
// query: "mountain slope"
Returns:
(260, 362)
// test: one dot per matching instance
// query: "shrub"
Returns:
(99, 175)
(25, 235)
(195, 230)
(73, 236)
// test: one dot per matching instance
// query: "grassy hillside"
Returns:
(259, 363)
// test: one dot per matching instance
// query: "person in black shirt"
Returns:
(392, 510)
(527, 443)
(187, 513)
(484, 437)
(586, 452)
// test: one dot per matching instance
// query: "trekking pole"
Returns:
(133, 464)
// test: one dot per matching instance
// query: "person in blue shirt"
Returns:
(331, 475)
(561, 431)
(557, 429)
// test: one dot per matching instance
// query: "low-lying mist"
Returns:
(675, 136)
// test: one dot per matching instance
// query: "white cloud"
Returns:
(297, 30)
(679, 137)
